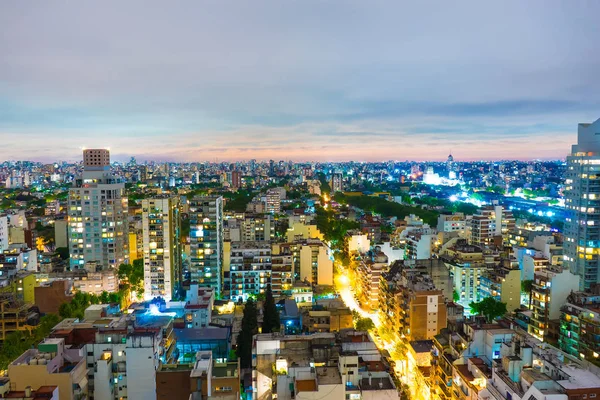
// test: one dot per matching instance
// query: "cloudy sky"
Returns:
(302, 80)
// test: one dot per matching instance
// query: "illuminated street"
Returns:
(344, 289)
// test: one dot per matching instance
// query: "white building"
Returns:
(358, 242)
(161, 229)
(97, 210)
(143, 358)
(455, 222)
(198, 306)
(17, 219)
(97, 282)
(3, 232)
(23, 257)
(419, 243)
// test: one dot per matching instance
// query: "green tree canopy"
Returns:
(249, 328)
(527, 287)
(131, 277)
(365, 324)
(270, 313)
(63, 252)
(455, 295)
(489, 307)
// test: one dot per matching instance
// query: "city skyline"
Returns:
(197, 82)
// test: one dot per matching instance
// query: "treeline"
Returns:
(333, 228)
(18, 342)
(387, 208)
(76, 307)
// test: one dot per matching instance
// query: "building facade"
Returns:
(206, 241)
(582, 198)
(161, 226)
(97, 210)
(249, 269)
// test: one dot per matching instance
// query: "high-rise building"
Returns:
(206, 241)
(410, 304)
(236, 179)
(582, 197)
(161, 226)
(97, 212)
(273, 201)
(250, 269)
(491, 225)
(336, 182)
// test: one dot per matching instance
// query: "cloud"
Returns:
(266, 79)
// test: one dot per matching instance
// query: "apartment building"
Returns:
(467, 263)
(120, 355)
(579, 331)
(205, 378)
(503, 284)
(490, 225)
(249, 228)
(249, 269)
(371, 267)
(283, 365)
(524, 233)
(51, 363)
(206, 241)
(582, 197)
(419, 243)
(273, 201)
(551, 287)
(97, 210)
(282, 270)
(161, 232)
(410, 304)
(3, 232)
(311, 261)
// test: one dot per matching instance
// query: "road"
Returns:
(342, 285)
(347, 296)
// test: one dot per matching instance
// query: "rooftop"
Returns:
(209, 333)
(578, 378)
(328, 376)
(422, 346)
(383, 383)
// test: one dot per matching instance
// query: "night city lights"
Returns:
(274, 200)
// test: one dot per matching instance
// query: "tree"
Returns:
(232, 356)
(248, 329)
(131, 277)
(455, 295)
(64, 310)
(63, 252)
(489, 307)
(114, 298)
(527, 287)
(104, 297)
(270, 314)
(365, 324)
